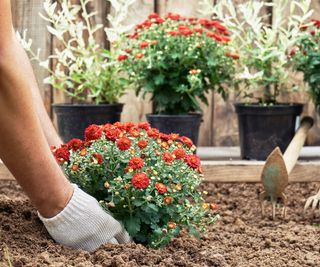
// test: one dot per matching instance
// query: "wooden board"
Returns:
(223, 165)
(249, 172)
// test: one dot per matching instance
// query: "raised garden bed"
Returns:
(240, 238)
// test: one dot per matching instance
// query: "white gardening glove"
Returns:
(83, 224)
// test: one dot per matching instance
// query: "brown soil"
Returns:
(240, 238)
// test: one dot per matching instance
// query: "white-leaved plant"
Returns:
(119, 13)
(263, 68)
(83, 69)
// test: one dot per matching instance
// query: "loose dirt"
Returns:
(241, 238)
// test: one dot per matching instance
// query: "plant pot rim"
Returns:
(174, 116)
(277, 105)
(85, 105)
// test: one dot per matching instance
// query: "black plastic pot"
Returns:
(261, 128)
(73, 119)
(185, 125)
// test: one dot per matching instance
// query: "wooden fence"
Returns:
(220, 124)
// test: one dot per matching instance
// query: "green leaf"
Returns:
(132, 225)
(159, 79)
(193, 231)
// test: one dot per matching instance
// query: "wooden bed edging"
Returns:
(236, 171)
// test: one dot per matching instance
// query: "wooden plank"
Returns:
(233, 153)
(249, 172)
(25, 17)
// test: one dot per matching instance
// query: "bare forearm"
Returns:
(50, 132)
(23, 146)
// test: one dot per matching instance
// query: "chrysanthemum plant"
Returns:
(81, 68)
(177, 60)
(306, 57)
(145, 179)
(264, 67)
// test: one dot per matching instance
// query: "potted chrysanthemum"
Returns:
(146, 179)
(306, 58)
(262, 73)
(86, 72)
(177, 60)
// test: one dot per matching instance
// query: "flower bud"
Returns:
(107, 185)
(172, 225)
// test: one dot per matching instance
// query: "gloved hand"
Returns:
(83, 224)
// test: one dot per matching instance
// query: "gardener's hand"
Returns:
(83, 224)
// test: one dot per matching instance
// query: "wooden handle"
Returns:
(292, 153)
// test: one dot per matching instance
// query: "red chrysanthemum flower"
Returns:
(136, 163)
(128, 126)
(160, 20)
(112, 133)
(147, 23)
(193, 161)
(134, 132)
(142, 144)
(124, 143)
(83, 152)
(167, 157)
(168, 200)
(164, 136)
(140, 181)
(134, 35)
(144, 125)
(93, 132)
(219, 26)
(225, 39)
(75, 144)
(144, 44)
(62, 154)
(179, 153)
(161, 188)
(119, 125)
(186, 32)
(174, 136)
(316, 23)
(174, 33)
(139, 55)
(199, 30)
(122, 57)
(174, 16)
(217, 37)
(206, 23)
(153, 132)
(187, 141)
(98, 157)
(153, 16)
(128, 50)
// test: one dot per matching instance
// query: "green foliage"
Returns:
(177, 65)
(306, 57)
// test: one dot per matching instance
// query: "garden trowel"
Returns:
(275, 173)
